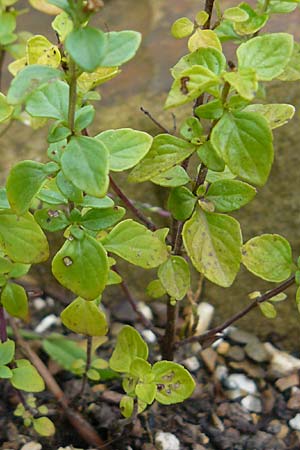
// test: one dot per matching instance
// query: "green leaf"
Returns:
(68, 189)
(181, 203)
(50, 101)
(100, 219)
(229, 195)
(254, 22)
(24, 181)
(211, 110)
(87, 47)
(121, 47)
(182, 28)
(235, 14)
(225, 32)
(146, 392)
(5, 109)
(155, 289)
(84, 317)
(62, 350)
(62, 24)
(136, 244)
(3, 199)
(276, 114)
(204, 38)
(268, 55)
(244, 141)
(174, 275)
(94, 202)
(298, 298)
(268, 310)
(174, 177)
(82, 267)
(58, 133)
(210, 157)
(84, 117)
(191, 83)
(165, 153)
(85, 164)
(268, 256)
(292, 70)
(19, 270)
(213, 242)
(126, 147)
(126, 406)
(129, 346)
(174, 382)
(51, 219)
(28, 80)
(192, 130)
(44, 426)
(22, 239)
(5, 265)
(14, 300)
(7, 352)
(5, 372)
(93, 374)
(244, 81)
(209, 58)
(26, 377)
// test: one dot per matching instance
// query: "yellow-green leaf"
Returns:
(84, 317)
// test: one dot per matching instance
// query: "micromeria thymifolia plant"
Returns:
(227, 136)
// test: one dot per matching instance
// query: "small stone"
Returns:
(223, 348)
(149, 336)
(192, 363)
(236, 353)
(240, 336)
(287, 382)
(295, 422)
(205, 312)
(145, 310)
(253, 370)
(166, 441)
(209, 357)
(294, 401)
(50, 302)
(46, 323)
(31, 446)
(281, 362)
(274, 426)
(39, 303)
(221, 372)
(233, 394)
(283, 432)
(252, 403)
(240, 381)
(257, 352)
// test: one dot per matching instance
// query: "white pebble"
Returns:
(252, 403)
(191, 363)
(240, 381)
(46, 323)
(221, 372)
(39, 303)
(145, 310)
(205, 312)
(149, 336)
(31, 446)
(166, 441)
(295, 422)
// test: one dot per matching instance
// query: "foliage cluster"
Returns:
(228, 136)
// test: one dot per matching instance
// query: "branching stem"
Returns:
(208, 335)
(72, 94)
(3, 332)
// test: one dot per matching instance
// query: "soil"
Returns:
(217, 417)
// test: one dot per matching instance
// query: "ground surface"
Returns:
(246, 398)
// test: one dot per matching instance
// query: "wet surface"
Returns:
(144, 82)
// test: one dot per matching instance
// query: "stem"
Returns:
(87, 365)
(208, 335)
(83, 428)
(168, 343)
(128, 203)
(266, 5)
(3, 333)
(209, 6)
(2, 54)
(158, 124)
(72, 94)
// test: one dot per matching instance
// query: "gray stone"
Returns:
(257, 352)
(252, 403)
(192, 363)
(282, 362)
(240, 336)
(236, 353)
